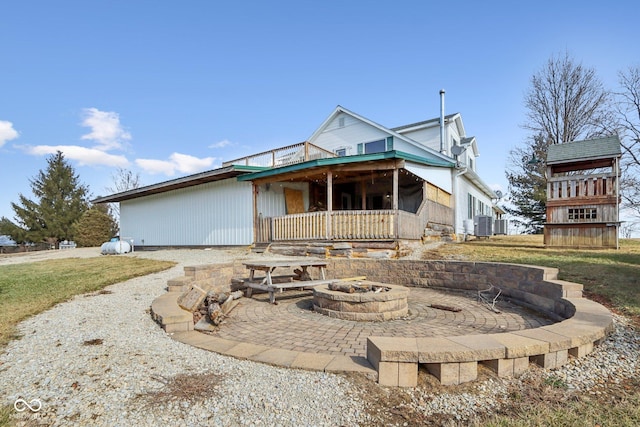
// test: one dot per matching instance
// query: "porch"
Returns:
(385, 224)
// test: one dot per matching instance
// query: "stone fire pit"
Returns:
(389, 302)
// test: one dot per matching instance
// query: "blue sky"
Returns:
(167, 89)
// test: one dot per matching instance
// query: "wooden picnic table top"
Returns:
(261, 265)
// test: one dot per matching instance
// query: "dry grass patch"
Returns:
(182, 388)
(28, 289)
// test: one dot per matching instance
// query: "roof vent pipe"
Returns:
(443, 149)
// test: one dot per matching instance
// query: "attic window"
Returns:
(375, 146)
(341, 122)
(341, 152)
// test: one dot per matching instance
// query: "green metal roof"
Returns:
(590, 149)
(394, 154)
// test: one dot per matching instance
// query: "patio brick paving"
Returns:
(292, 325)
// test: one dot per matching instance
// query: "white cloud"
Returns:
(7, 132)
(106, 129)
(156, 166)
(221, 144)
(177, 162)
(84, 156)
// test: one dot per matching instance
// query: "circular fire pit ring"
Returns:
(389, 302)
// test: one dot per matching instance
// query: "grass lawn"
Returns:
(28, 289)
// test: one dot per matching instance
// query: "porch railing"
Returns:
(284, 156)
(356, 225)
(581, 187)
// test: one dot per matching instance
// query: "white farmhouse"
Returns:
(353, 180)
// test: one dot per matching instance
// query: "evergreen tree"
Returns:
(95, 227)
(527, 185)
(60, 201)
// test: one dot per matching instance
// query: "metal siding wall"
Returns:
(271, 203)
(217, 213)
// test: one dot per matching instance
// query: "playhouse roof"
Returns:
(581, 151)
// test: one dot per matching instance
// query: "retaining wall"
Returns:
(581, 323)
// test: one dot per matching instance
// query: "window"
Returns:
(583, 213)
(375, 146)
(471, 206)
(341, 152)
(379, 146)
(341, 122)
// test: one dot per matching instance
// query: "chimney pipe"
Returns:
(443, 148)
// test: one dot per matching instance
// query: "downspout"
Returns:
(443, 148)
(454, 190)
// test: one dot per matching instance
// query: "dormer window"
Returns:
(341, 152)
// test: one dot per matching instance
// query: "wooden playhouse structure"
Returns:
(583, 197)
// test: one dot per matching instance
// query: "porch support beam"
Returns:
(310, 174)
(329, 203)
(255, 213)
(395, 189)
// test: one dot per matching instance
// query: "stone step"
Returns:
(166, 311)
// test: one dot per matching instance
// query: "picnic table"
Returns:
(272, 284)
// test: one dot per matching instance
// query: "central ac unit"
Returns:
(483, 225)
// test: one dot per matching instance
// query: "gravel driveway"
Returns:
(99, 359)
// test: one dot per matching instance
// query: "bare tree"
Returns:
(567, 102)
(627, 107)
(628, 229)
(123, 180)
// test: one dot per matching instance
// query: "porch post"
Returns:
(395, 189)
(329, 202)
(363, 192)
(255, 212)
(396, 215)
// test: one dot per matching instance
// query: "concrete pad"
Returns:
(443, 350)
(276, 356)
(485, 347)
(519, 346)
(312, 361)
(193, 338)
(350, 364)
(217, 345)
(245, 350)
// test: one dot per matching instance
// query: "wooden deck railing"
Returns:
(581, 187)
(363, 224)
(284, 156)
(356, 225)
